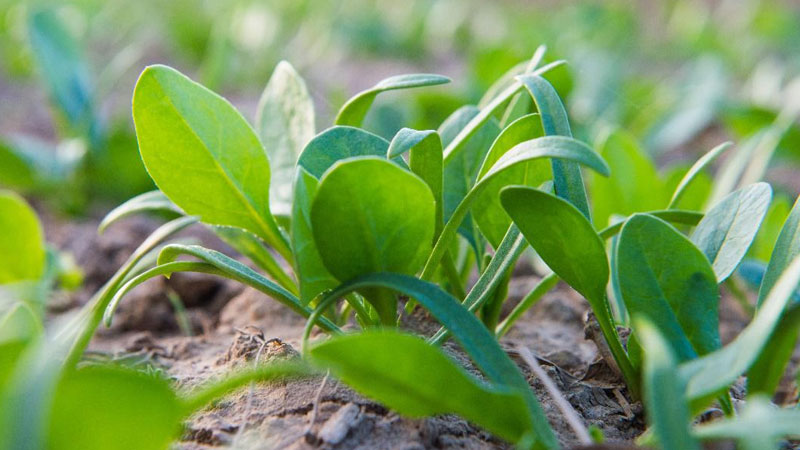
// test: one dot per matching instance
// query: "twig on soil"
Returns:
(563, 405)
(310, 437)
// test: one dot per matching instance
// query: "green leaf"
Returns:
(354, 111)
(565, 239)
(418, 380)
(109, 407)
(487, 211)
(20, 323)
(62, 66)
(425, 160)
(285, 124)
(338, 143)
(462, 164)
(767, 236)
(635, 185)
(786, 249)
(728, 229)
(714, 372)
(544, 147)
(695, 195)
(767, 371)
(16, 171)
(149, 201)
(759, 425)
(311, 272)
(666, 279)
(675, 216)
(369, 215)
(203, 154)
(667, 409)
(249, 245)
(567, 177)
(695, 171)
(231, 269)
(21, 235)
(477, 341)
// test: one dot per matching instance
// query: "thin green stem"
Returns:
(545, 284)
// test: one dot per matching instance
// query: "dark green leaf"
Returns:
(767, 236)
(285, 124)
(416, 379)
(728, 229)
(21, 240)
(675, 216)
(203, 154)
(666, 279)
(567, 177)
(787, 247)
(354, 111)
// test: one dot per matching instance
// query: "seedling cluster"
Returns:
(343, 226)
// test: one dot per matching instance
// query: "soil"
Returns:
(232, 326)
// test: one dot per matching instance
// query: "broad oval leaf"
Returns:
(728, 229)
(354, 111)
(338, 143)
(21, 240)
(110, 407)
(203, 154)
(487, 211)
(417, 379)
(369, 215)
(311, 272)
(562, 236)
(663, 277)
(285, 124)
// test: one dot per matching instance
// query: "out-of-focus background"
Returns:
(679, 75)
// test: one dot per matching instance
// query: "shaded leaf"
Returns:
(487, 211)
(285, 124)
(338, 143)
(728, 229)
(149, 201)
(666, 279)
(667, 409)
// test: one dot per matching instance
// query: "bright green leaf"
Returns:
(203, 154)
(354, 111)
(21, 240)
(149, 201)
(416, 379)
(338, 143)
